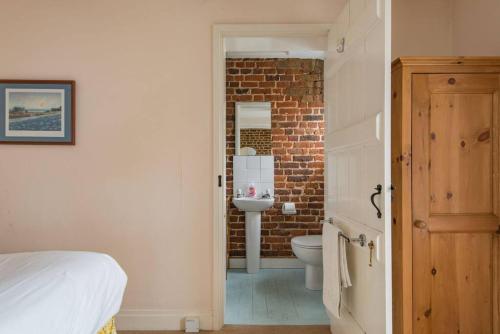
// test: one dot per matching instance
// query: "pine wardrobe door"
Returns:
(455, 200)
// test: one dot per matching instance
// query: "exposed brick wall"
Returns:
(295, 89)
(259, 139)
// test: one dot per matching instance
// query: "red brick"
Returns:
(298, 164)
(249, 84)
(254, 77)
(258, 98)
(288, 104)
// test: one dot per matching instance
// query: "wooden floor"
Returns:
(251, 330)
(272, 297)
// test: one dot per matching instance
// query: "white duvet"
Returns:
(58, 292)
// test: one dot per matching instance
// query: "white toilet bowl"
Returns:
(309, 249)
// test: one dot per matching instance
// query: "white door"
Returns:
(357, 143)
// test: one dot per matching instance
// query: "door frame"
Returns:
(219, 33)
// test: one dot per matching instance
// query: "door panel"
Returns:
(356, 158)
(462, 284)
(455, 202)
(461, 159)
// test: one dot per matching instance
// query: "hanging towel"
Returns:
(335, 271)
(345, 279)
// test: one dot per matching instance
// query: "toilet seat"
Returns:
(308, 242)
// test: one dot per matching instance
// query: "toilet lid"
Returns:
(308, 241)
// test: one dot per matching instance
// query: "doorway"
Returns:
(285, 268)
(274, 143)
(221, 33)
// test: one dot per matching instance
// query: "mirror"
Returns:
(253, 128)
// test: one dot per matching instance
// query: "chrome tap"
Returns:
(267, 194)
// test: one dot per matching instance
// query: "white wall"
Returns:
(137, 185)
(476, 27)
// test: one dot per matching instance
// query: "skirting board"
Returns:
(153, 319)
(268, 263)
(346, 323)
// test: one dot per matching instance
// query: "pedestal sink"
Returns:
(253, 208)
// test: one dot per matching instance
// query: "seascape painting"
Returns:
(37, 112)
(34, 112)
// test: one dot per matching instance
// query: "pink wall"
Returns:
(137, 183)
(421, 28)
(445, 28)
(476, 27)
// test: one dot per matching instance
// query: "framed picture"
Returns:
(37, 112)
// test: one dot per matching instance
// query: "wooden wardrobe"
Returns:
(446, 196)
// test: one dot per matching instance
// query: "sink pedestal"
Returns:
(252, 242)
(253, 208)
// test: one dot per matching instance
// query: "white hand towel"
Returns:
(345, 279)
(335, 271)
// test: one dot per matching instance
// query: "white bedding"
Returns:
(58, 292)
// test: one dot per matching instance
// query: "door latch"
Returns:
(371, 246)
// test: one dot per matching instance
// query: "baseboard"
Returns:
(346, 323)
(268, 263)
(154, 319)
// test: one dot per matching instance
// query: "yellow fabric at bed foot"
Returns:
(109, 328)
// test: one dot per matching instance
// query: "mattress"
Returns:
(59, 292)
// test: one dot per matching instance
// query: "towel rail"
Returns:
(361, 239)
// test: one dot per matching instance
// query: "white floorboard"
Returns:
(272, 297)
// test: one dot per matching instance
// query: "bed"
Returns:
(57, 292)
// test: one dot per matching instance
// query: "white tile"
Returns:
(267, 161)
(253, 162)
(240, 175)
(253, 175)
(266, 186)
(267, 175)
(258, 189)
(239, 162)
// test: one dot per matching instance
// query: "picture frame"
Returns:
(37, 112)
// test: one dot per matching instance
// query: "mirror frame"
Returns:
(239, 107)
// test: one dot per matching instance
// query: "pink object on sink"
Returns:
(251, 190)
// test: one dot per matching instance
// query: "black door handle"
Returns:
(378, 188)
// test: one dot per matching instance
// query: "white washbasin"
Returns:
(253, 204)
(253, 208)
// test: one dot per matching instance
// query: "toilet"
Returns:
(309, 249)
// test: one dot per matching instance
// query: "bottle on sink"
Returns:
(252, 192)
